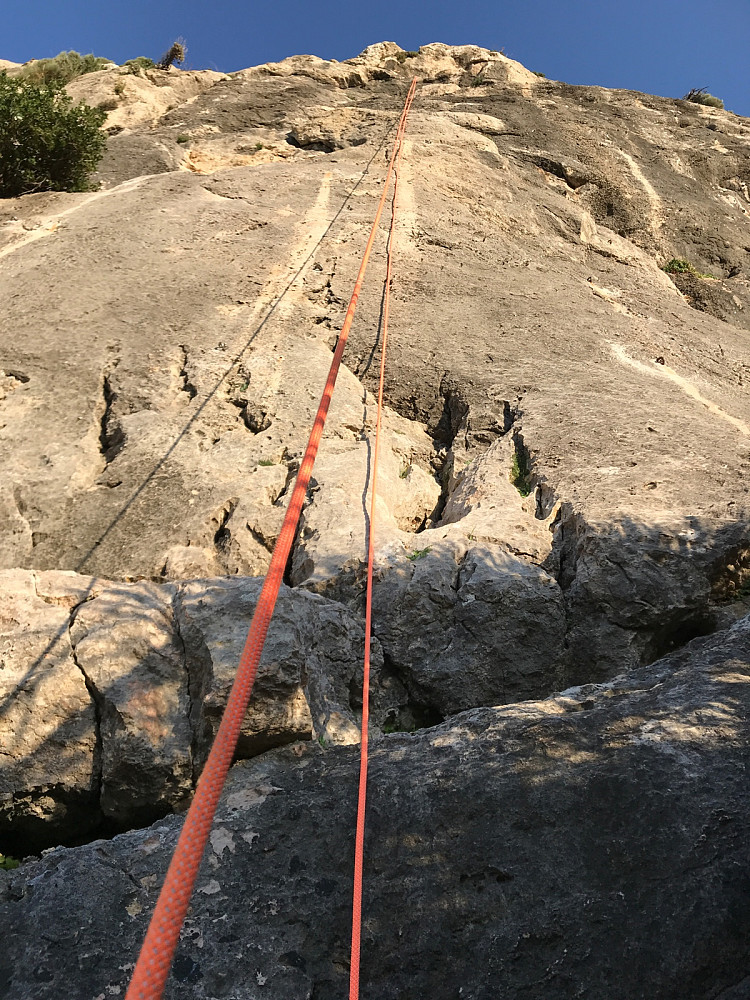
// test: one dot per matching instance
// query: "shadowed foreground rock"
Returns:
(591, 845)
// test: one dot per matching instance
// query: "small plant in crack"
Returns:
(418, 553)
(679, 266)
(404, 472)
(7, 863)
(266, 462)
(323, 741)
(520, 471)
(183, 138)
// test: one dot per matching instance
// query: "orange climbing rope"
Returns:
(157, 952)
(359, 843)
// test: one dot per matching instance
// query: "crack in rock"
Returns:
(111, 433)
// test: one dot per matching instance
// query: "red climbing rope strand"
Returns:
(157, 952)
(359, 843)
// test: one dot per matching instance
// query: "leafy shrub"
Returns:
(135, 66)
(175, 54)
(701, 96)
(46, 142)
(403, 56)
(678, 266)
(65, 66)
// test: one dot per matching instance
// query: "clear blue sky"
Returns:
(658, 47)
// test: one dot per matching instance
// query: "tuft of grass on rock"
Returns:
(137, 65)
(183, 138)
(406, 54)
(266, 461)
(62, 68)
(418, 553)
(701, 96)
(677, 265)
(7, 863)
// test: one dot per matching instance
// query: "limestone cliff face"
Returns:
(164, 342)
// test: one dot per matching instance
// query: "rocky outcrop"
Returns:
(593, 844)
(110, 694)
(528, 323)
(563, 501)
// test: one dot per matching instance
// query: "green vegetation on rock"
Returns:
(520, 471)
(679, 266)
(63, 68)
(418, 553)
(701, 96)
(46, 142)
(135, 66)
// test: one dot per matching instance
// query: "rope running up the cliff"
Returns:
(158, 949)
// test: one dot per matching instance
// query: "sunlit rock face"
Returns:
(562, 506)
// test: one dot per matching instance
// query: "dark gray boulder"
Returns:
(591, 845)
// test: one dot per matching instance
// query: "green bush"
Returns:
(701, 96)
(46, 142)
(135, 66)
(65, 66)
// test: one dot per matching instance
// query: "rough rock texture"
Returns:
(48, 749)
(110, 693)
(533, 315)
(594, 844)
(564, 500)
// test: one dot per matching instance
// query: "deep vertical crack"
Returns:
(189, 685)
(111, 434)
(186, 385)
(198, 667)
(97, 700)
